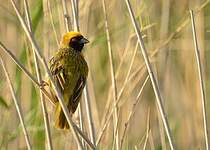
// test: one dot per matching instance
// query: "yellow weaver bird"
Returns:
(70, 71)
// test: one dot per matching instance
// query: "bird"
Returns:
(69, 70)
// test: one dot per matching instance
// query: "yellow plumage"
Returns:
(70, 71)
(66, 38)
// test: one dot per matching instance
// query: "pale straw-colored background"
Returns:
(166, 28)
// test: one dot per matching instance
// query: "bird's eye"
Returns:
(73, 40)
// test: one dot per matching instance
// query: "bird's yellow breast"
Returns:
(74, 63)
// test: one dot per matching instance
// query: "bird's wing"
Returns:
(57, 70)
(77, 92)
(55, 65)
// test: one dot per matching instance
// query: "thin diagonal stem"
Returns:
(38, 72)
(16, 105)
(19, 64)
(151, 74)
(201, 79)
(27, 73)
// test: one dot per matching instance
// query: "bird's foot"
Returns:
(43, 84)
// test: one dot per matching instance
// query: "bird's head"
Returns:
(73, 40)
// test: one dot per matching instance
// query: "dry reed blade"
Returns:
(201, 79)
(151, 74)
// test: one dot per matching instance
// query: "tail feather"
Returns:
(60, 119)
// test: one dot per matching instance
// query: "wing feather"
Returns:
(77, 92)
(57, 70)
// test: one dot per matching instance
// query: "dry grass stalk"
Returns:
(151, 74)
(201, 79)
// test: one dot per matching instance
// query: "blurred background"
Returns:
(167, 32)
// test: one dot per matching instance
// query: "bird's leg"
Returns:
(43, 84)
(49, 95)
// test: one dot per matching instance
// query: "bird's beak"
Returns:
(84, 41)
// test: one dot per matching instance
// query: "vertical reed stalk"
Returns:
(201, 79)
(151, 74)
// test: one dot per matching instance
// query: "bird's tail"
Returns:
(60, 119)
